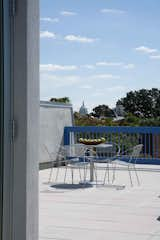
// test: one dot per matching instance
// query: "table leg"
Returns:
(91, 171)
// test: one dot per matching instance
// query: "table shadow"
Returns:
(71, 186)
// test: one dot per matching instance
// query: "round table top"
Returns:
(101, 145)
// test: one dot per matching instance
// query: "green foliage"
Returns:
(89, 120)
(143, 103)
(150, 122)
(60, 100)
(102, 111)
(129, 120)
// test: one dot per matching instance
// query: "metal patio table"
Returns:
(103, 147)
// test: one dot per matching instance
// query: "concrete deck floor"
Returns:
(101, 213)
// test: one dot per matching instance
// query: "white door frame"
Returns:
(22, 108)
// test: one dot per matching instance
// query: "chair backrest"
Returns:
(136, 151)
(114, 150)
(111, 150)
(51, 155)
(76, 150)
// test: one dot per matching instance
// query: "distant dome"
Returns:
(83, 110)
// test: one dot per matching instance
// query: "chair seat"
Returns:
(77, 164)
(99, 159)
(72, 159)
(102, 160)
(120, 162)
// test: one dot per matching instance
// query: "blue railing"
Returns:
(125, 137)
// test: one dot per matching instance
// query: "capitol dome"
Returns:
(83, 110)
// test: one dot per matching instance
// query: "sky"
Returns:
(98, 50)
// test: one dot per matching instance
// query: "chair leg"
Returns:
(83, 169)
(50, 175)
(84, 176)
(136, 175)
(106, 171)
(85, 173)
(130, 176)
(51, 172)
(95, 173)
(65, 174)
(58, 166)
(72, 174)
(104, 181)
(114, 172)
(57, 174)
(80, 174)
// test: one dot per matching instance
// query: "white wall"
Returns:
(53, 118)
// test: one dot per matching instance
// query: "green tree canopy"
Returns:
(102, 111)
(144, 102)
(60, 100)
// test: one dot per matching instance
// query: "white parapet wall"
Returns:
(53, 118)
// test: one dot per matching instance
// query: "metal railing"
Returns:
(125, 137)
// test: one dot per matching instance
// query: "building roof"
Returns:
(83, 110)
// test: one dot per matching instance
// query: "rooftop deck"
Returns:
(101, 213)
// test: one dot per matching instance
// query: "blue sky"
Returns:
(97, 50)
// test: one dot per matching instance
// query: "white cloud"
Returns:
(59, 81)
(108, 91)
(86, 86)
(68, 13)
(46, 34)
(55, 67)
(116, 89)
(109, 64)
(48, 19)
(146, 50)
(105, 76)
(88, 66)
(74, 38)
(97, 93)
(155, 57)
(115, 64)
(112, 11)
(129, 66)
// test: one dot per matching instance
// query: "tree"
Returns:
(102, 111)
(143, 102)
(60, 100)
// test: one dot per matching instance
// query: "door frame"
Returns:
(6, 123)
(19, 120)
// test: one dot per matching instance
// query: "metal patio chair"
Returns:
(113, 152)
(69, 157)
(128, 159)
(52, 157)
(75, 158)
